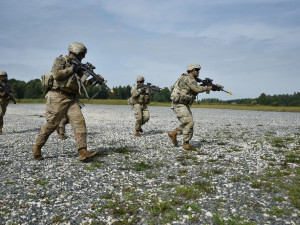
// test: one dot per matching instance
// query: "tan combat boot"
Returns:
(188, 147)
(37, 152)
(84, 154)
(137, 134)
(173, 135)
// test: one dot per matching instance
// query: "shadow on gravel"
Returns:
(24, 131)
(154, 132)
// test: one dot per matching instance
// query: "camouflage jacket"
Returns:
(186, 89)
(139, 96)
(64, 77)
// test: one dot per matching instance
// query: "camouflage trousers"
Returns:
(62, 125)
(185, 117)
(58, 105)
(3, 106)
(141, 114)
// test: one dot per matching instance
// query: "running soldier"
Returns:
(184, 92)
(62, 99)
(4, 96)
(140, 97)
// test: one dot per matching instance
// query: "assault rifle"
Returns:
(150, 87)
(209, 82)
(8, 91)
(88, 70)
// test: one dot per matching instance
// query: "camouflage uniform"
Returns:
(4, 99)
(141, 112)
(62, 100)
(189, 87)
(184, 93)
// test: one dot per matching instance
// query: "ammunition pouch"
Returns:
(182, 98)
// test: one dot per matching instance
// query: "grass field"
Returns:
(167, 104)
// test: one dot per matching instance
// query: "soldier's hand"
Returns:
(216, 87)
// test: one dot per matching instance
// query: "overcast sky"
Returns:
(249, 46)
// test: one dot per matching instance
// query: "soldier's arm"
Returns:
(58, 69)
(135, 92)
(193, 85)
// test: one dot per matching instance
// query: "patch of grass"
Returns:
(221, 143)
(59, 219)
(278, 142)
(142, 166)
(188, 192)
(182, 172)
(94, 165)
(9, 182)
(123, 150)
(278, 199)
(40, 182)
(256, 184)
(292, 157)
(278, 212)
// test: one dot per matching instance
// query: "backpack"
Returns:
(47, 81)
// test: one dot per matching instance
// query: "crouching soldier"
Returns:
(62, 99)
(140, 97)
(184, 92)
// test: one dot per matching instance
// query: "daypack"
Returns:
(47, 81)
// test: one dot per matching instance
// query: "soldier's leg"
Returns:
(3, 105)
(77, 122)
(61, 128)
(146, 115)
(137, 108)
(187, 125)
(56, 107)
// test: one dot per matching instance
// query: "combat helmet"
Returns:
(192, 66)
(77, 48)
(140, 78)
(3, 73)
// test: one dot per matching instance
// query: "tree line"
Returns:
(34, 90)
(263, 99)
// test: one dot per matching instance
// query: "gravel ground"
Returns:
(245, 169)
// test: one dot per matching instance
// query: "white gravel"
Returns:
(235, 151)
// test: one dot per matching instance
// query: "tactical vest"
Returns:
(140, 99)
(181, 95)
(70, 84)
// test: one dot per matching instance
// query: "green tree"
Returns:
(34, 89)
(18, 87)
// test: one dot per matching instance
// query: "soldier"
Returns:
(183, 95)
(140, 98)
(62, 99)
(4, 97)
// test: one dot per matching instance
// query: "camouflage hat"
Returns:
(140, 78)
(3, 73)
(193, 66)
(77, 48)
